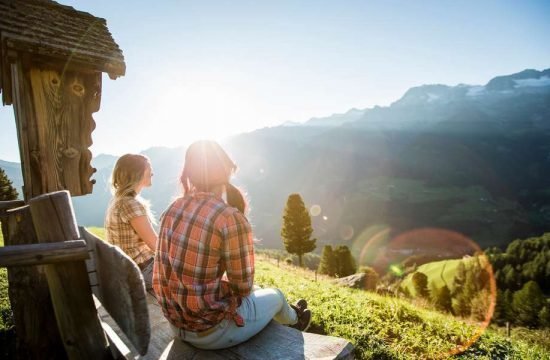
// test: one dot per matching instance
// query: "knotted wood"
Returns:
(34, 319)
(80, 329)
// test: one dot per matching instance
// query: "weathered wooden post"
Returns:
(37, 334)
(70, 291)
(51, 62)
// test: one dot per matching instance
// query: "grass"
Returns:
(390, 328)
(438, 272)
(7, 329)
(6, 320)
(97, 231)
(379, 327)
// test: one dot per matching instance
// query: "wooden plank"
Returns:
(26, 135)
(37, 333)
(91, 105)
(121, 291)
(45, 87)
(273, 343)
(64, 103)
(82, 335)
(12, 204)
(41, 254)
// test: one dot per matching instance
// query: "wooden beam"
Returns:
(33, 314)
(26, 131)
(11, 204)
(82, 335)
(41, 254)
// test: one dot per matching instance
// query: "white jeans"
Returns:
(257, 310)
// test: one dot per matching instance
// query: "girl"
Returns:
(202, 238)
(128, 222)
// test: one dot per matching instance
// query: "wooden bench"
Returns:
(128, 322)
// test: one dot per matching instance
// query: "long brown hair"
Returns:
(127, 173)
(236, 198)
(206, 166)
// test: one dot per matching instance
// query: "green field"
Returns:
(438, 272)
(389, 328)
(380, 327)
(5, 310)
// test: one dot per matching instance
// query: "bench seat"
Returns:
(274, 342)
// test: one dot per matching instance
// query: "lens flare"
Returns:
(396, 269)
(346, 232)
(447, 258)
(315, 210)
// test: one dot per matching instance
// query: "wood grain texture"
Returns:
(41, 254)
(53, 110)
(82, 335)
(121, 290)
(37, 333)
(275, 342)
(26, 131)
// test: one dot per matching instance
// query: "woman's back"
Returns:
(200, 239)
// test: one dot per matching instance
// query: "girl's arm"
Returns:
(145, 231)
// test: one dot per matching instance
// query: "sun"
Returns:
(205, 109)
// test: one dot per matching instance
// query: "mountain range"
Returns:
(474, 159)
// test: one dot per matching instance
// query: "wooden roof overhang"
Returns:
(58, 36)
(51, 62)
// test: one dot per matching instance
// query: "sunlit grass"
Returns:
(385, 327)
(5, 308)
(379, 327)
(97, 231)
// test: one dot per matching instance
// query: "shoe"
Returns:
(304, 320)
(301, 305)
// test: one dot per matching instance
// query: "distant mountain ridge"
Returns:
(429, 98)
(467, 158)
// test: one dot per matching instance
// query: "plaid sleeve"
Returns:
(238, 254)
(131, 208)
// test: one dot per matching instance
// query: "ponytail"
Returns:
(235, 198)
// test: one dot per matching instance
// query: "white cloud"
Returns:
(543, 81)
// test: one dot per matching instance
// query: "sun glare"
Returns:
(198, 110)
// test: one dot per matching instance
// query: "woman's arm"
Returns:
(238, 254)
(145, 231)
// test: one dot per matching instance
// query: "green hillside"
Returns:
(389, 328)
(381, 327)
(438, 272)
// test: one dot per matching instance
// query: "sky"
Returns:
(210, 69)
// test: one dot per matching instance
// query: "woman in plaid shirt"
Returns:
(128, 222)
(204, 264)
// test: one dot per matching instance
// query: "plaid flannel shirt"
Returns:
(120, 232)
(200, 239)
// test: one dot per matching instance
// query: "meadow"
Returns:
(439, 273)
(379, 327)
(382, 327)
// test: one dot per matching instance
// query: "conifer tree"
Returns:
(327, 265)
(7, 191)
(420, 284)
(544, 317)
(345, 263)
(442, 299)
(296, 231)
(480, 304)
(459, 278)
(527, 303)
(499, 316)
